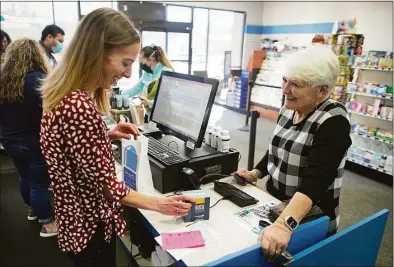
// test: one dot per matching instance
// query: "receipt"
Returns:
(209, 235)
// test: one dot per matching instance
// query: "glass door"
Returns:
(154, 37)
(178, 44)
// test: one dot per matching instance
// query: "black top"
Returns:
(329, 145)
(22, 120)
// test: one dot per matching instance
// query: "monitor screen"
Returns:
(183, 104)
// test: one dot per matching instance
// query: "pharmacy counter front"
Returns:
(231, 240)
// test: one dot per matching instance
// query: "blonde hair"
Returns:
(157, 53)
(316, 65)
(21, 56)
(82, 66)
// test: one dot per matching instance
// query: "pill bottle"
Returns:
(207, 136)
(214, 136)
(224, 141)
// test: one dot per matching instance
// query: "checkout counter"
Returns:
(231, 244)
(235, 245)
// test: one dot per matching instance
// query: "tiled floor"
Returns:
(360, 198)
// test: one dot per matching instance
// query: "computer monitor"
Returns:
(183, 104)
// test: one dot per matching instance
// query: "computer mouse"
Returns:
(239, 180)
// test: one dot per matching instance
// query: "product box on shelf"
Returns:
(389, 164)
(371, 158)
(381, 90)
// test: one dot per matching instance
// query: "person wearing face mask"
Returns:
(76, 144)
(52, 39)
(153, 61)
(307, 153)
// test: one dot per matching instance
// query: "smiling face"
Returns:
(301, 97)
(119, 64)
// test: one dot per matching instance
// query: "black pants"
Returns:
(98, 253)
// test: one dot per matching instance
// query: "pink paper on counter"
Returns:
(192, 239)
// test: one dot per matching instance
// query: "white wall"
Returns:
(374, 19)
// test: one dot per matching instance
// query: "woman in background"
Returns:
(5, 41)
(24, 67)
(153, 61)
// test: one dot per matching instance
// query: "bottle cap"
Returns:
(224, 133)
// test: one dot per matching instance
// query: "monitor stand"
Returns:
(204, 150)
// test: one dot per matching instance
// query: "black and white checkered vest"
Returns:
(289, 150)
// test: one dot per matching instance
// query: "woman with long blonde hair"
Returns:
(24, 67)
(76, 144)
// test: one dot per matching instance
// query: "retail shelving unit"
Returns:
(347, 47)
(266, 92)
(372, 148)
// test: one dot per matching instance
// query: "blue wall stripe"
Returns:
(288, 29)
(253, 29)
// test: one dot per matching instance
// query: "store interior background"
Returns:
(238, 34)
(217, 27)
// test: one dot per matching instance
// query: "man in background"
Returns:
(52, 39)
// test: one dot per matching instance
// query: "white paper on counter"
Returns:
(208, 234)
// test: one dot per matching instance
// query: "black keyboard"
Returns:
(234, 194)
(164, 153)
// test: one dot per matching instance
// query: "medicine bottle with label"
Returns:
(119, 101)
(214, 136)
(125, 101)
(207, 136)
(224, 141)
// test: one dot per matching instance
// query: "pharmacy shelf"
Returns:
(373, 138)
(368, 165)
(370, 95)
(368, 115)
(374, 68)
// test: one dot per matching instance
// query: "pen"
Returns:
(190, 224)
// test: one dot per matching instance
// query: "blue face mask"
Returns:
(58, 48)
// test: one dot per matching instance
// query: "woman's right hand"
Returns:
(175, 205)
(249, 176)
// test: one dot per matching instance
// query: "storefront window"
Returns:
(225, 34)
(26, 19)
(199, 39)
(179, 14)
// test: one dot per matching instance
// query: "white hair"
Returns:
(315, 65)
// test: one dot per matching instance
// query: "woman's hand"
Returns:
(123, 130)
(175, 205)
(274, 240)
(249, 176)
(144, 100)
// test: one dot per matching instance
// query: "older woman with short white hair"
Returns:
(306, 155)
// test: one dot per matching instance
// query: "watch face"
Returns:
(291, 222)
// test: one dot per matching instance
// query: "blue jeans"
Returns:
(34, 177)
